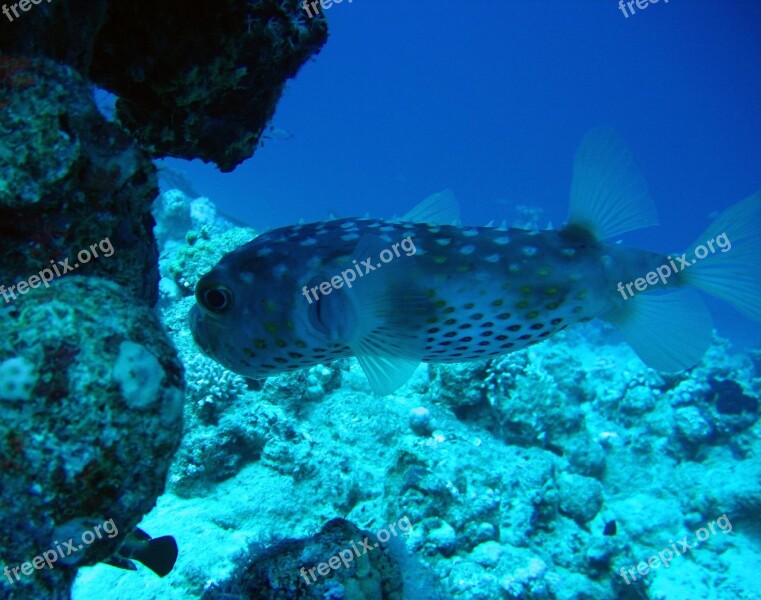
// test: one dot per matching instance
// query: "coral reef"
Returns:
(91, 389)
(509, 469)
(203, 86)
(280, 570)
(92, 414)
(69, 179)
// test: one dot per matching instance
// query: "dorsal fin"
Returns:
(437, 209)
(608, 193)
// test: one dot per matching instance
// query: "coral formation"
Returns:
(281, 569)
(92, 414)
(204, 86)
(69, 179)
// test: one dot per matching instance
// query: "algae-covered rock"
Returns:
(334, 563)
(198, 82)
(580, 497)
(90, 426)
(75, 190)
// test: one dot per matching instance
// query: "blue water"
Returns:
(491, 99)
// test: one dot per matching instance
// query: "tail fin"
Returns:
(733, 273)
(159, 555)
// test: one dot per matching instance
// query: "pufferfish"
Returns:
(425, 289)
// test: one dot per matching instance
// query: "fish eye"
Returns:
(215, 299)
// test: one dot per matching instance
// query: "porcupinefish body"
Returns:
(397, 293)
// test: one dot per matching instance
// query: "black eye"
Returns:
(216, 300)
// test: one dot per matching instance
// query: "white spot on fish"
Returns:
(434, 229)
(514, 268)
(470, 232)
(314, 262)
(568, 252)
(310, 241)
(350, 237)
(349, 225)
(492, 258)
(469, 249)
(503, 240)
(385, 237)
(444, 241)
(388, 228)
(246, 277)
(280, 270)
(530, 250)
(266, 251)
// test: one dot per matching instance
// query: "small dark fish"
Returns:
(158, 554)
(610, 528)
(307, 294)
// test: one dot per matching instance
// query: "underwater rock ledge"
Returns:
(193, 83)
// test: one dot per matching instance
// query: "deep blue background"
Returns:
(490, 98)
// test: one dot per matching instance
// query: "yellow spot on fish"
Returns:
(533, 314)
(498, 302)
(551, 291)
(523, 304)
(271, 327)
(280, 343)
(439, 260)
(544, 271)
(270, 306)
(582, 295)
(260, 344)
(525, 289)
(300, 344)
(430, 292)
(440, 303)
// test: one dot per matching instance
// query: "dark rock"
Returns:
(92, 415)
(70, 179)
(730, 398)
(193, 82)
(276, 572)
